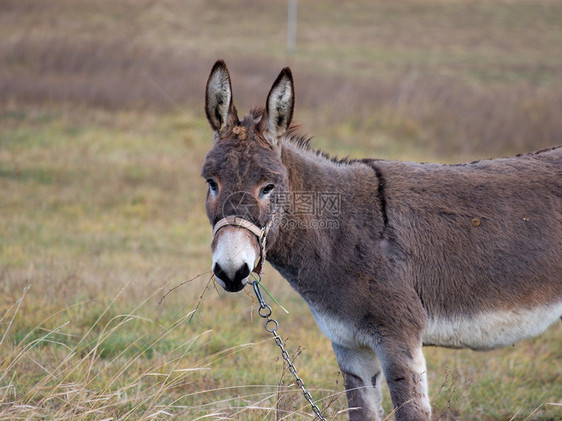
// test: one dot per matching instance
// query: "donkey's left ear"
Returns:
(279, 107)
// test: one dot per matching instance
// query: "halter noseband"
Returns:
(259, 233)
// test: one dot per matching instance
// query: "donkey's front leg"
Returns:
(405, 373)
(362, 373)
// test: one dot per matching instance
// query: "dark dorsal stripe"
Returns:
(381, 194)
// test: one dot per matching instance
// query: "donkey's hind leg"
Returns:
(362, 373)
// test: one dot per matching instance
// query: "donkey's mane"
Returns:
(302, 142)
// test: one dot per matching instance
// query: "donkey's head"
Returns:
(244, 173)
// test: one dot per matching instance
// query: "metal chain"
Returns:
(271, 326)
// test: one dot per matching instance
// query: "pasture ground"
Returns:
(101, 202)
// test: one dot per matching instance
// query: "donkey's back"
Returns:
(484, 245)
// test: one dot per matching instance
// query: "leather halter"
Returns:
(259, 233)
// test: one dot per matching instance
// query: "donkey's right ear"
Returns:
(219, 107)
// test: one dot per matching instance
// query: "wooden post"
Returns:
(291, 27)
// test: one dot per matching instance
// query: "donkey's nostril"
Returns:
(219, 273)
(232, 283)
(242, 273)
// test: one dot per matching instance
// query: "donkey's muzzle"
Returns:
(232, 282)
(235, 251)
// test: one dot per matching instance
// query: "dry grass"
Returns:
(101, 203)
(484, 76)
(102, 221)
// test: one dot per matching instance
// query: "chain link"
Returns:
(271, 326)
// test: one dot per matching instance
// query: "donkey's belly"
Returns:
(490, 329)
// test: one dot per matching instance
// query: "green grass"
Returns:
(102, 206)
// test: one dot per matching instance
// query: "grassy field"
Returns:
(108, 310)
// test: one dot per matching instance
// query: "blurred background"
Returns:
(102, 136)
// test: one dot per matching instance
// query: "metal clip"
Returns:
(257, 290)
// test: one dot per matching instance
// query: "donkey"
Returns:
(390, 256)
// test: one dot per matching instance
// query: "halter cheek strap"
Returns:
(260, 234)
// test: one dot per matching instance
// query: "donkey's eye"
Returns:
(213, 187)
(267, 189)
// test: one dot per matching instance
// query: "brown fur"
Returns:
(415, 242)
